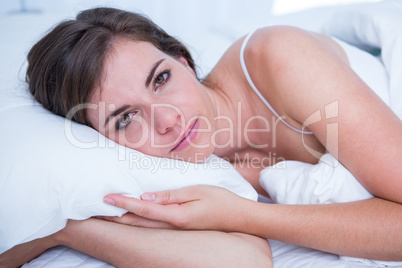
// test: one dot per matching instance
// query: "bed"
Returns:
(21, 26)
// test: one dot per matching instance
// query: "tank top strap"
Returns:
(247, 75)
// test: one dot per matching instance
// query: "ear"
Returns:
(183, 60)
(185, 63)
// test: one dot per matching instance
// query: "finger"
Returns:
(141, 208)
(176, 196)
(134, 220)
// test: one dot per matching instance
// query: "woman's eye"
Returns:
(161, 79)
(124, 120)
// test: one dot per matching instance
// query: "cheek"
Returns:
(185, 88)
(197, 99)
(136, 137)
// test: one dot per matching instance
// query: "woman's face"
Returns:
(153, 103)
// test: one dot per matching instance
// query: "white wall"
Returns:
(281, 7)
(208, 27)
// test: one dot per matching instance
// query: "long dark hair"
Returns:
(65, 66)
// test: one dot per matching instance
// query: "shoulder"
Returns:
(284, 62)
(266, 40)
(287, 46)
(265, 44)
(276, 36)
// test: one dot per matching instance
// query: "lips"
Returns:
(188, 136)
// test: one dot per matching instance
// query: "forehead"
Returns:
(127, 62)
(126, 54)
(137, 49)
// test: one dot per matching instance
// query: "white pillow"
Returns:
(52, 169)
(375, 27)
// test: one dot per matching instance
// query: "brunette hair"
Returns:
(65, 66)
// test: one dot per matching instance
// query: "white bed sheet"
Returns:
(285, 255)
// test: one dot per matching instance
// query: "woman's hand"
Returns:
(194, 207)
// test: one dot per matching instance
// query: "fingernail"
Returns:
(148, 197)
(109, 201)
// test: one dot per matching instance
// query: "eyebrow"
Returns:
(147, 82)
(152, 72)
(115, 113)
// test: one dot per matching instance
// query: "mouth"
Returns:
(187, 137)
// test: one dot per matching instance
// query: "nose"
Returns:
(166, 117)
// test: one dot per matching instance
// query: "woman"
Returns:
(143, 93)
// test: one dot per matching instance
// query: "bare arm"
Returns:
(312, 82)
(367, 229)
(127, 246)
(314, 86)
(20, 254)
